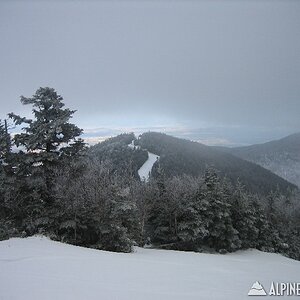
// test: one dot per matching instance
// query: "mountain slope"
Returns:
(178, 156)
(123, 159)
(37, 268)
(282, 157)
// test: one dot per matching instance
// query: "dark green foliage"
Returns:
(195, 218)
(5, 141)
(98, 209)
(160, 218)
(192, 225)
(190, 214)
(50, 142)
(49, 139)
(6, 226)
(291, 230)
(51, 128)
(216, 212)
(244, 216)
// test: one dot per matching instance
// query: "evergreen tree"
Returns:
(159, 220)
(244, 217)
(96, 210)
(192, 223)
(265, 238)
(6, 188)
(216, 211)
(48, 138)
(5, 141)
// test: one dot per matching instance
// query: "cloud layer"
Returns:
(200, 64)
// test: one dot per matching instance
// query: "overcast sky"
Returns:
(221, 72)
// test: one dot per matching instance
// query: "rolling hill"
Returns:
(281, 157)
(179, 156)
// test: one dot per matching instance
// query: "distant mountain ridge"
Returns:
(179, 156)
(281, 157)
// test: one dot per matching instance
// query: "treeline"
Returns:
(209, 212)
(57, 187)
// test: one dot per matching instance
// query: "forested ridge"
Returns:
(122, 159)
(179, 156)
(281, 157)
(92, 197)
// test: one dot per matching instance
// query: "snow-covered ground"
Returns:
(37, 268)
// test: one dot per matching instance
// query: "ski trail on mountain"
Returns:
(145, 170)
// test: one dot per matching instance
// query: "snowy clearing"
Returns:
(38, 268)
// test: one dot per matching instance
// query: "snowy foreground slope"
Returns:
(37, 268)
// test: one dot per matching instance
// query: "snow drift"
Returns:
(38, 268)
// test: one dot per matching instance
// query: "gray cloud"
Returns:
(233, 65)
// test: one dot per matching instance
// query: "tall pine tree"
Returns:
(48, 138)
